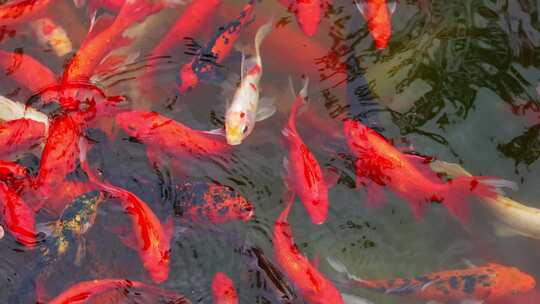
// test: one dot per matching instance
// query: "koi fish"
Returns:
(310, 283)
(513, 218)
(303, 173)
(308, 13)
(168, 136)
(22, 11)
(84, 291)
(19, 135)
(11, 110)
(377, 14)
(478, 283)
(52, 35)
(211, 203)
(223, 289)
(380, 164)
(23, 69)
(206, 59)
(17, 216)
(244, 109)
(10, 170)
(152, 240)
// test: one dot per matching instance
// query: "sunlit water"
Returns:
(446, 86)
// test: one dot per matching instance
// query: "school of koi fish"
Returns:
(104, 95)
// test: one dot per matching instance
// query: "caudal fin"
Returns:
(262, 32)
(462, 189)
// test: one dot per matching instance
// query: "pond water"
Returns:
(459, 81)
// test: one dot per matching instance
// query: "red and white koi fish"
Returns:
(475, 284)
(23, 11)
(309, 282)
(308, 13)
(19, 135)
(223, 290)
(17, 216)
(52, 35)
(303, 172)
(152, 240)
(380, 164)
(23, 69)
(83, 292)
(165, 135)
(11, 110)
(246, 108)
(205, 61)
(378, 17)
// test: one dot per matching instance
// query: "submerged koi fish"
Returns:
(310, 283)
(84, 291)
(513, 218)
(165, 135)
(23, 69)
(52, 35)
(211, 203)
(223, 290)
(17, 216)
(151, 239)
(308, 13)
(206, 59)
(478, 283)
(303, 172)
(380, 164)
(244, 109)
(19, 135)
(378, 17)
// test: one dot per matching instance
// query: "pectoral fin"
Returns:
(266, 108)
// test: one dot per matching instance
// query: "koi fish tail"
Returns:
(344, 275)
(290, 128)
(459, 191)
(262, 32)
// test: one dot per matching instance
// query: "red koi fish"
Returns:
(303, 173)
(380, 164)
(308, 13)
(166, 135)
(23, 69)
(19, 135)
(223, 289)
(152, 240)
(18, 217)
(92, 52)
(83, 292)
(10, 170)
(204, 62)
(478, 283)
(22, 11)
(377, 14)
(310, 283)
(204, 202)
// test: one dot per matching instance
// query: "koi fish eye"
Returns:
(245, 129)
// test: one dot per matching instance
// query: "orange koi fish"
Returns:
(308, 13)
(206, 59)
(380, 164)
(23, 11)
(478, 283)
(23, 69)
(152, 240)
(17, 216)
(303, 172)
(310, 283)
(377, 14)
(170, 137)
(83, 292)
(223, 290)
(204, 202)
(19, 135)
(52, 35)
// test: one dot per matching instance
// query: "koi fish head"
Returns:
(223, 289)
(510, 280)
(156, 258)
(159, 270)
(309, 16)
(187, 78)
(237, 126)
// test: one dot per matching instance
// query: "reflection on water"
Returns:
(458, 81)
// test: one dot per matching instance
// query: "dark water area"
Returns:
(459, 82)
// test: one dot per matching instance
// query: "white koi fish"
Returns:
(246, 108)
